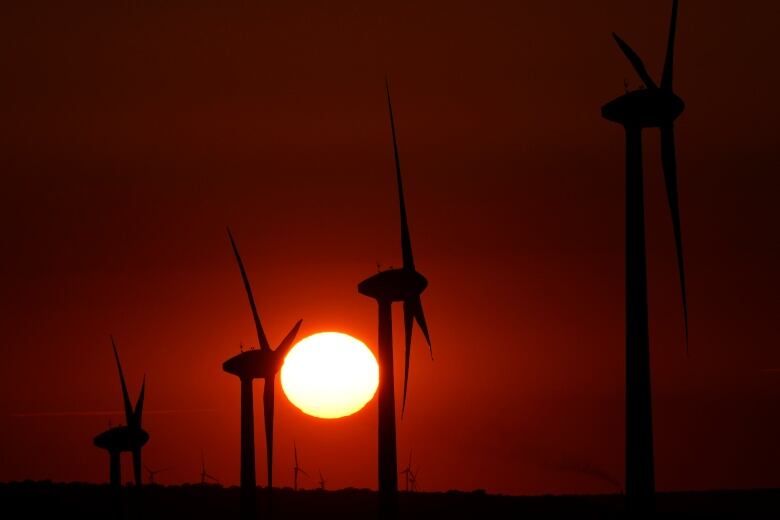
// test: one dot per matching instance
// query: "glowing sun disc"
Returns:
(330, 375)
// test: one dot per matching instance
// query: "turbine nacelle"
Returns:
(121, 438)
(394, 285)
(648, 108)
(253, 364)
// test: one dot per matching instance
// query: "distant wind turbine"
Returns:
(656, 106)
(413, 479)
(394, 285)
(152, 472)
(407, 471)
(204, 475)
(130, 437)
(322, 482)
(260, 363)
(594, 472)
(297, 469)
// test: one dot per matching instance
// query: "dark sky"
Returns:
(131, 134)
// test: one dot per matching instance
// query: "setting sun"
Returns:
(330, 375)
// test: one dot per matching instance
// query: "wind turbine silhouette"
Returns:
(130, 437)
(407, 471)
(413, 479)
(657, 106)
(394, 285)
(322, 481)
(204, 475)
(260, 363)
(153, 472)
(297, 469)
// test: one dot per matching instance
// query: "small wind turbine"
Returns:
(322, 482)
(394, 285)
(297, 469)
(130, 437)
(260, 363)
(153, 472)
(407, 471)
(413, 479)
(656, 106)
(204, 475)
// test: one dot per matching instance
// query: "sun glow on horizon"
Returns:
(330, 375)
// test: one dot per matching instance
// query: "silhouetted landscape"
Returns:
(196, 501)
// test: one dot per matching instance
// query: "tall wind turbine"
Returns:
(297, 469)
(130, 437)
(394, 285)
(656, 106)
(260, 363)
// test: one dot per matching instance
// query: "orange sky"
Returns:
(131, 136)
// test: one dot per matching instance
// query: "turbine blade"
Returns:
(268, 411)
(408, 324)
(419, 317)
(139, 405)
(295, 447)
(304, 473)
(413, 311)
(125, 395)
(669, 161)
(666, 79)
(406, 241)
(287, 343)
(636, 61)
(260, 333)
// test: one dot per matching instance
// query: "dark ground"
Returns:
(77, 500)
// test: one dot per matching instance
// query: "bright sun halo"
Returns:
(330, 375)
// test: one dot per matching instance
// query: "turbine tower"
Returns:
(260, 363)
(297, 469)
(322, 482)
(130, 437)
(394, 285)
(656, 106)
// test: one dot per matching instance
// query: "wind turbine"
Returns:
(656, 106)
(204, 475)
(413, 479)
(322, 482)
(260, 363)
(153, 472)
(130, 437)
(394, 285)
(297, 469)
(407, 471)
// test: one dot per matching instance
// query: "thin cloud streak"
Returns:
(110, 412)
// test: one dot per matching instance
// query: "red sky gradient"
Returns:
(131, 136)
